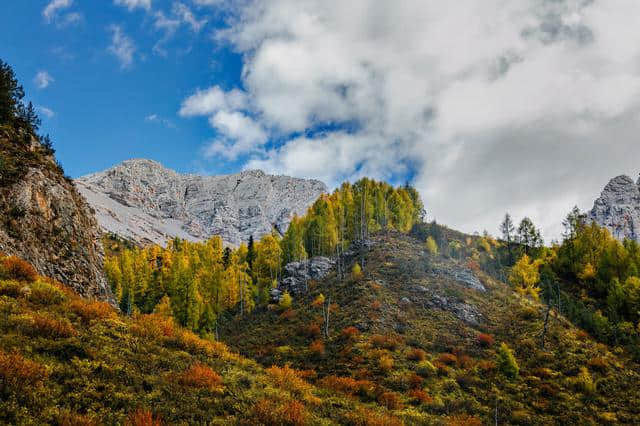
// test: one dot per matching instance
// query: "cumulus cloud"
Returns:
(122, 47)
(134, 4)
(528, 107)
(43, 79)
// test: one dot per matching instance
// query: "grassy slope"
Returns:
(551, 387)
(65, 360)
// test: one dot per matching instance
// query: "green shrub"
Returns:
(507, 362)
(10, 288)
(584, 382)
(285, 301)
(426, 369)
(44, 293)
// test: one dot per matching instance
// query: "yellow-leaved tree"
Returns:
(525, 276)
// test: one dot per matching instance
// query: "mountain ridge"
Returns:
(143, 201)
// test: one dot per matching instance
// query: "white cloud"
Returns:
(52, 9)
(53, 13)
(155, 118)
(122, 47)
(209, 101)
(43, 79)
(134, 4)
(183, 12)
(525, 106)
(180, 14)
(47, 112)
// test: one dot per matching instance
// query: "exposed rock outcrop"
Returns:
(44, 220)
(298, 274)
(618, 208)
(144, 202)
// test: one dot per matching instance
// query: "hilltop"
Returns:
(422, 333)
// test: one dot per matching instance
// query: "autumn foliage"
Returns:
(12, 267)
(17, 372)
(200, 376)
(142, 417)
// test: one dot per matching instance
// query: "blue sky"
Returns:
(101, 110)
(486, 106)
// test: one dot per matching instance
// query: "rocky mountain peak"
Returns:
(618, 208)
(143, 201)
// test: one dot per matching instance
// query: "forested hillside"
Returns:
(201, 281)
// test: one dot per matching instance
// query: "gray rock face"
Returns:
(297, 274)
(45, 221)
(432, 300)
(142, 201)
(618, 208)
(466, 277)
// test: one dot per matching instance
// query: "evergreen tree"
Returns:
(507, 229)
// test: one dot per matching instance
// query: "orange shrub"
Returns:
(376, 305)
(91, 310)
(142, 417)
(465, 361)
(599, 364)
(419, 396)
(473, 265)
(289, 379)
(317, 347)
(19, 373)
(415, 381)
(200, 376)
(385, 342)
(50, 327)
(362, 416)
(191, 342)
(350, 332)
(312, 330)
(390, 400)
(486, 366)
(318, 301)
(13, 267)
(416, 355)
(288, 314)
(347, 385)
(152, 326)
(485, 340)
(271, 412)
(448, 359)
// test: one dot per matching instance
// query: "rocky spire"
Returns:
(618, 208)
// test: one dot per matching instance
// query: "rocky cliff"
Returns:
(142, 201)
(44, 220)
(618, 208)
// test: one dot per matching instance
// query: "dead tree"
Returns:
(326, 309)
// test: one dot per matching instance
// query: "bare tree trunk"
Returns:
(325, 314)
